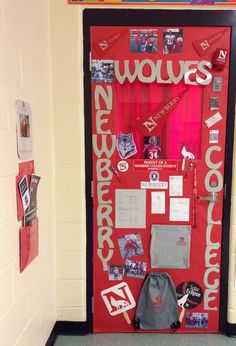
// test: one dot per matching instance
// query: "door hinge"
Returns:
(90, 61)
(91, 188)
(225, 191)
(92, 304)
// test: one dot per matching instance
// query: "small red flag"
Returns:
(202, 46)
(101, 46)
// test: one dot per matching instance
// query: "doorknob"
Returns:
(212, 197)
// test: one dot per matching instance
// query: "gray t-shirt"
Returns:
(170, 246)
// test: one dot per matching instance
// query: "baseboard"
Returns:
(68, 328)
(231, 330)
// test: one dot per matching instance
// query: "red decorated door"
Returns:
(159, 109)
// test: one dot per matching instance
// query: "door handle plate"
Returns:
(212, 197)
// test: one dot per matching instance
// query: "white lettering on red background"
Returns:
(104, 144)
(188, 70)
(211, 275)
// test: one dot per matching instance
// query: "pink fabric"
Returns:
(183, 127)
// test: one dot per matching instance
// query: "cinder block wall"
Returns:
(67, 71)
(27, 300)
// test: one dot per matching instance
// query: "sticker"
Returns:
(214, 136)
(125, 145)
(179, 209)
(122, 166)
(176, 185)
(187, 154)
(158, 202)
(115, 272)
(151, 147)
(217, 84)
(118, 299)
(173, 41)
(193, 294)
(214, 119)
(215, 103)
(219, 59)
(154, 176)
(130, 245)
(135, 269)
(161, 185)
(102, 71)
(155, 165)
(196, 320)
(143, 40)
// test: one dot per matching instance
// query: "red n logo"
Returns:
(157, 299)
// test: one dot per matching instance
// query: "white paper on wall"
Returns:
(179, 209)
(23, 129)
(158, 202)
(130, 208)
(176, 185)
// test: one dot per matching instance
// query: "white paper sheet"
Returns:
(176, 185)
(213, 119)
(130, 208)
(24, 129)
(158, 202)
(179, 209)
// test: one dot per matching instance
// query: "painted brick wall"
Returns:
(27, 303)
(67, 69)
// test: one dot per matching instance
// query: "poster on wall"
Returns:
(156, 2)
(23, 130)
(159, 110)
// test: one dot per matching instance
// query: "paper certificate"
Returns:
(176, 185)
(130, 208)
(158, 202)
(179, 209)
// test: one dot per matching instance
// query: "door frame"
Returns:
(161, 17)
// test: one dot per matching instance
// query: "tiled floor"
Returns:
(146, 340)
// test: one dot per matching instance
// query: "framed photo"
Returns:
(23, 129)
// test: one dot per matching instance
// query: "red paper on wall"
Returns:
(25, 168)
(28, 244)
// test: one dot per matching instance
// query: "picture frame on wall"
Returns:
(23, 129)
